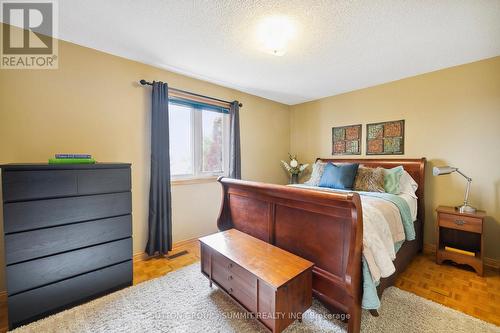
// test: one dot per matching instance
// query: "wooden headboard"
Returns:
(414, 166)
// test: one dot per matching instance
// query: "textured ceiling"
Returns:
(340, 45)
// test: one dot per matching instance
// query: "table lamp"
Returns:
(445, 170)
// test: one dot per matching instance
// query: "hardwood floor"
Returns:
(455, 287)
(155, 267)
(446, 284)
(4, 319)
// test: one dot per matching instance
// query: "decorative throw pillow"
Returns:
(339, 176)
(369, 180)
(391, 179)
(316, 174)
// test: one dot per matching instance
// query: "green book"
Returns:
(71, 161)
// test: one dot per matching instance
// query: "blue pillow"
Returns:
(340, 176)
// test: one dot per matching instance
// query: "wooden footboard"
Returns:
(325, 228)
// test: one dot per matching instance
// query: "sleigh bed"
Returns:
(323, 227)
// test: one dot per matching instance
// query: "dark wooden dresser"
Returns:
(270, 283)
(68, 235)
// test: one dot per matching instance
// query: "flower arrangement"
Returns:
(294, 168)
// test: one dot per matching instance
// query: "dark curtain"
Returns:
(160, 208)
(234, 136)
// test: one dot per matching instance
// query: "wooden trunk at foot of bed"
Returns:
(323, 227)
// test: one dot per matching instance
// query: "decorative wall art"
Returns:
(346, 140)
(385, 138)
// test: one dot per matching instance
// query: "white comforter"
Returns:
(382, 228)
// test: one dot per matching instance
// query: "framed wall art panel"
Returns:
(386, 138)
(346, 140)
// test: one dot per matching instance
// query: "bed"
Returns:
(322, 226)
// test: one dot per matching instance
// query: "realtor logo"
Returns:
(29, 35)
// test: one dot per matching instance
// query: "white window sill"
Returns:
(190, 181)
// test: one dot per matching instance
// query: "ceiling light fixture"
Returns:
(274, 33)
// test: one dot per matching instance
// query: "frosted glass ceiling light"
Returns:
(274, 33)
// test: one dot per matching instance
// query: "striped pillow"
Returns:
(369, 180)
(316, 174)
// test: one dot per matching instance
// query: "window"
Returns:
(199, 139)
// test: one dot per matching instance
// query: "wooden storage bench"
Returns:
(272, 284)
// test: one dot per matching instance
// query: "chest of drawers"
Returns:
(67, 235)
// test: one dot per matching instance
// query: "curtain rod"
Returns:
(146, 83)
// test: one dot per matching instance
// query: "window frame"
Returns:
(197, 110)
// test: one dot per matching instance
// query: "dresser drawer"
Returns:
(22, 216)
(103, 181)
(242, 274)
(55, 296)
(232, 270)
(38, 243)
(221, 261)
(26, 185)
(29, 185)
(464, 223)
(36, 273)
(220, 273)
(233, 278)
(245, 293)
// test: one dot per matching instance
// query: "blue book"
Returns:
(73, 156)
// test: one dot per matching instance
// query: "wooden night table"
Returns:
(462, 231)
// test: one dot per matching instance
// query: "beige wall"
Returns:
(93, 104)
(452, 118)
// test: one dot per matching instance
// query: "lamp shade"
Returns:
(443, 170)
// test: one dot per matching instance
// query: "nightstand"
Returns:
(462, 231)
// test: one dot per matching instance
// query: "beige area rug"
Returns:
(183, 302)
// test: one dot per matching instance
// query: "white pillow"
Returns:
(407, 184)
(316, 174)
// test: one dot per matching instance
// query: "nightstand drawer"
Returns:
(464, 223)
